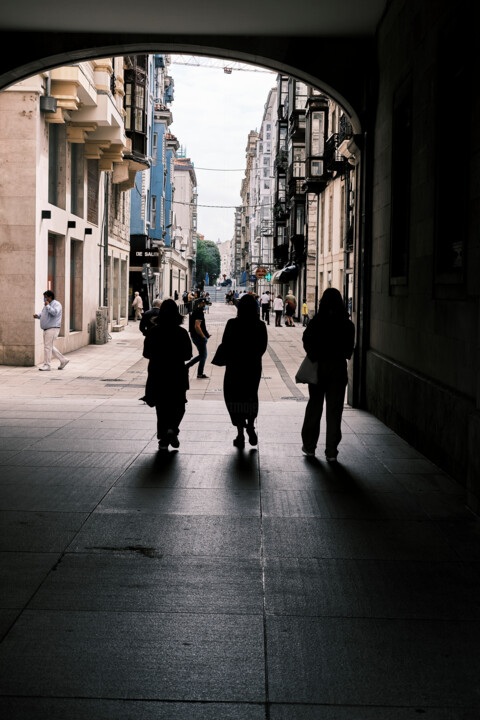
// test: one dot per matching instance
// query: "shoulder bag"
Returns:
(307, 372)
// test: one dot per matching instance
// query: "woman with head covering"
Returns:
(243, 344)
(167, 346)
(329, 340)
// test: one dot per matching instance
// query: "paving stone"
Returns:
(345, 661)
(48, 476)
(171, 534)
(91, 445)
(70, 459)
(8, 432)
(181, 501)
(317, 475)
(357, 712)
(78, 709)
(175, 469)
(7, 619)
(21, 575)
(51, 498)
(38, 531)
(174, 656)
(371, 588)
(139, 579)
(311, 503)
(429, 482)
(355, 539)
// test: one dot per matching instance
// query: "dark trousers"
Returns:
(201, 345)
(278, 318)
(266, 313)
(169, 417)
(332, 391)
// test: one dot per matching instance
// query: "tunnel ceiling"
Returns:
(350, 18)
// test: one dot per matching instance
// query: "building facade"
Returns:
(262, 193)
(65, 195)
(158, 266)
(185, 204)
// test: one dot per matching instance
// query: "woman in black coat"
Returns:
(328, 339)
(244, 342)
(168, 347)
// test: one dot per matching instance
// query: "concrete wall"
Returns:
(423, 361)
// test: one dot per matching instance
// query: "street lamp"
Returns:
(315, 177)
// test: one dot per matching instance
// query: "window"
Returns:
(299, 219)
(76, 285)
(154, 212)
(93, 181)
(77, 179)
(330, 219)
(57, 148)
(342, 214)
(52, 263)
(401, 182)
(155, 146)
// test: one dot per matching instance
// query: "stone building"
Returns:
(63, 194)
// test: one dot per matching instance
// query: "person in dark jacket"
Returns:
(329, 340)
(244, 342)
(149, 318)
(168, 347)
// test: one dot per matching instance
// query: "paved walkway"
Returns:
(219, 584)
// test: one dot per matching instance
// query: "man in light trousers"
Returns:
(50, 321)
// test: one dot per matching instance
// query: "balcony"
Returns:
(296, 125)
(334, 161)
(280, 211)
(281, 162)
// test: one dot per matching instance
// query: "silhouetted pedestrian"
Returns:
(168, 347)
(199, 336)
(329, 340)
(243, 344)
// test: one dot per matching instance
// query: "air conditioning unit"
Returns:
(101, 326)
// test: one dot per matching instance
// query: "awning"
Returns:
(285, 274)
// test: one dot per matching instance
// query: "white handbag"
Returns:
(307, 372)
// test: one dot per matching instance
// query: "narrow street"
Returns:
(219, 584)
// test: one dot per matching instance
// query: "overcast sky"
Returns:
(213, 112)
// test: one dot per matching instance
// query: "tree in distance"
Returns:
(207, 261)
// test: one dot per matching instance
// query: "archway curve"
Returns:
(206, 47)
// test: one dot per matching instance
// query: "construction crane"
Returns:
(225, 65)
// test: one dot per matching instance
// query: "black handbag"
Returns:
(220, 357)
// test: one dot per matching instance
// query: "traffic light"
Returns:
(147, 273)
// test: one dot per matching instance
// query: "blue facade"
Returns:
(150, 215)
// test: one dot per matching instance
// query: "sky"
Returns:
(213, 112)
